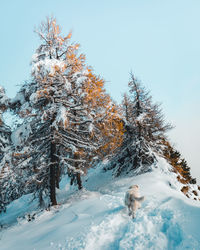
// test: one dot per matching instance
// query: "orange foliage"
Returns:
(174, 160)
(106, 113)
(185, 189)
(43, 93)
(76, 62)
(108, 125)
(68, 36)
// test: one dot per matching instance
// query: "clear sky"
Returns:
(158, 40)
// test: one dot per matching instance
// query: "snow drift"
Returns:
(96, 218)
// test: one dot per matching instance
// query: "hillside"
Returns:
(95, 218)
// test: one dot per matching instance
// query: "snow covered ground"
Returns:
(95, 218)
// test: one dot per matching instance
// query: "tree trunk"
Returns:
(79, 182)
(135, 162)
(57, 176)
(78, 175)
(53, 167)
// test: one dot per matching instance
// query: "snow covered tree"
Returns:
(64, 109)
(145, 130)
(4, 130)
(178, 163)
(107, 129)
(54, 111)
(146, 117)
(5, 133)
(12, 185)
(8, 179)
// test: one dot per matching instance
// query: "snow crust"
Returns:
(96, 218)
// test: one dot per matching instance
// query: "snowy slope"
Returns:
(96, 218)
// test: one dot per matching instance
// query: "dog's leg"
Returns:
(133, 215)
(129, 210)
(134, 207)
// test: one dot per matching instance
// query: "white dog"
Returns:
(133, 200)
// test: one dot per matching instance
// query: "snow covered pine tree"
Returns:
(9, 180)
(63, 130)
(145, 131)
(5, 133)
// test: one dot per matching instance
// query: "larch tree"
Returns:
(108, 127)
(145, 129)
(53, 111)
(63, 107)
(179, 164)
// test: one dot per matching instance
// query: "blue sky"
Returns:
(158, 40)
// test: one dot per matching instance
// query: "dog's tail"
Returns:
(141, 199)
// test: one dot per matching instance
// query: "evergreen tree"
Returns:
(8, 179)
(5, 131)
